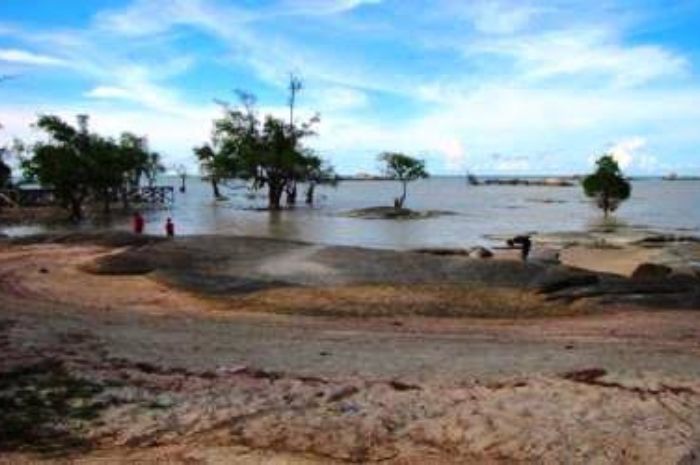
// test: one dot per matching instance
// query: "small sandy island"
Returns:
(211, 349)
(393, 213)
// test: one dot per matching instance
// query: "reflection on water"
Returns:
(480, 211)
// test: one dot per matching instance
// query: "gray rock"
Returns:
(480, 252)
(651, 272)
(545, 255)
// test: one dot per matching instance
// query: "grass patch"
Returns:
(43, 408)
(406, 300)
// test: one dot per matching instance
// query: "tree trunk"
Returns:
(606, 206)
(215, 188)
(275, 196)
(76, 210)
(124, 191)
(402, 199)
(292, 194)
(310, 193)
(106, 202)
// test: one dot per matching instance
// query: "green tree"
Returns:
(404, 169)
(276, 158)
(317, 172)
(106, 167)
(181, 171)
(5, 175)
(5, 171)
(216, 165)
(81, 165)
(136, 162)
(153, 167)
(607, 185)
(134, 151)
(63, 162)
(267, 153)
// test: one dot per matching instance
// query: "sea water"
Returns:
(473, 214)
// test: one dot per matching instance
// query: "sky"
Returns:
(490, 87)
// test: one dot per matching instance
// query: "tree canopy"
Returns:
(317, 171)
(402, 168)
(267, 152)
(79, 164)
(216, 164)
(607, 185)
(5, 171)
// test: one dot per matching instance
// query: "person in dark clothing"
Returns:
(138, 223)
(525, 245)
(169, 228)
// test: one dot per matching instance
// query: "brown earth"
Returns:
(139, 368)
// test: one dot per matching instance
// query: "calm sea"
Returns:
(479, 212)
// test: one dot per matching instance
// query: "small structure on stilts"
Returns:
(158, 195)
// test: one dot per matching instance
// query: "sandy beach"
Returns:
(318, 360)
(309, 232)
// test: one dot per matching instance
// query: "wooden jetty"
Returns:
(31, 197)
(41, 197)
(162, 195)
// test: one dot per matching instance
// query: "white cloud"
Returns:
(29, 58)
(320, 7)
(110, 92)
(628, 152)
(336, 98)
(581, 53)
(149, 17)
(455, 156)
(566, 124)
(564, 90)
(171, 135)
(495, 17)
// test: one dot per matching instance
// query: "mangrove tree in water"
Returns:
(267, 152)
(80, 165)
(404, 169)
(607, 185)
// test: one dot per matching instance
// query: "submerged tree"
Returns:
(5, 171)
(216, 166)
(317, 172)
(154, 167)
(64, 162)
(106, 168)
(607, 185)
(79, 164)
(402, 168)
(181, 171)
(268, 153)
(273, 157)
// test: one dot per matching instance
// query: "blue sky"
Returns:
(517, 87)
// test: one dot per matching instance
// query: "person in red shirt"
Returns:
(138, 223)
(169, 228)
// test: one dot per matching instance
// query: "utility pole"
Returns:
(295, 85)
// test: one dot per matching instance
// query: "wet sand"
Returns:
(192, 377)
